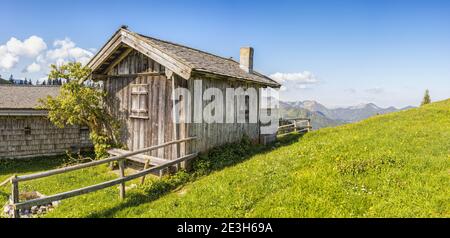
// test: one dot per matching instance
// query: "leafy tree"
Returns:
(78, 104)
(426, 98)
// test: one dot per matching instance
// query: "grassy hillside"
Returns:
(395, 165)
(4, 81)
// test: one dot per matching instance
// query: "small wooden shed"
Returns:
(140, 73)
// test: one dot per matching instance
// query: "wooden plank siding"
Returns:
(216, 134)
(159, 127)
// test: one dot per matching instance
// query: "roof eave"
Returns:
(273, 85)
(22, 112)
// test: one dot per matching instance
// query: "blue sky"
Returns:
(336, 52)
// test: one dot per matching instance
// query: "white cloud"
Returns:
(7, 60)
(34, 57)
(32, 68)
(30, 47)
(301, 86)
(305, 77)
(11, 52)
(299, 80)
(376, 90)
(65, 51)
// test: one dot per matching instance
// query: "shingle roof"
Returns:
(181, 59)
(206, 62)
(24, 97)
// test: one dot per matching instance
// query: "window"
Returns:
(84, 134)
(27, 130)
(139, 99)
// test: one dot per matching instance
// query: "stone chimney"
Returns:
(246, 59)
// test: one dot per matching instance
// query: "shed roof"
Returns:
(181, 59)
(24, 96)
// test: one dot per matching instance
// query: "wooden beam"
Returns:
(146, 165)
(15, 195)
(122, 175)
(138, 158)
(98, 162)
(140, 44)
(118, 60)
(111, 46)
(8, 180)
(105, 76)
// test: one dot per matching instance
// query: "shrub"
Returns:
(222, 156)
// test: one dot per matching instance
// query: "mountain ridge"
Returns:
(333, 116)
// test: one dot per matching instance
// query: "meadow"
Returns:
(394, 165)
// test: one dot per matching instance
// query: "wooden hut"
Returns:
(140, 73)
(26, 132)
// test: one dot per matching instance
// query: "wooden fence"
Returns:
(119, 181)
(294, 125)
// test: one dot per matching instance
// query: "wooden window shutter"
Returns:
(139, 99)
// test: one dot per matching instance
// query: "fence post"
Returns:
(146, 165)
(122, 174)
(15, 195)
(309, 125)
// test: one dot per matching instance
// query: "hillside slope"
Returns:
(4, 81)
(394, 165)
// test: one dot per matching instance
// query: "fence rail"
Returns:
(291, 125)
(121, 180)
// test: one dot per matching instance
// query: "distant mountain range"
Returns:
(322, 116)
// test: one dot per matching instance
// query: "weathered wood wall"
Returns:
(44, 138)
(158, 126)
(215, 134)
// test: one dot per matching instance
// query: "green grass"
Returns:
(57, 183)
(395, 165)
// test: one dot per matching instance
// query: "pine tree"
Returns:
(426, 98)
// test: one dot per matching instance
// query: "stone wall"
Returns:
(34, 136)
